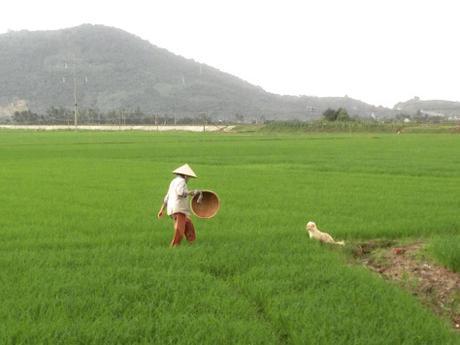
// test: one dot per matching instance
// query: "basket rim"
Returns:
(209, 191)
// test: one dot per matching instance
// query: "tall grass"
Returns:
(333, 126)
(84, 261)
(356, 126)
(447, 250)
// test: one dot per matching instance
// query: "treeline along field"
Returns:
(84, 261)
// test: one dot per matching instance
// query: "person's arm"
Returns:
(182, 190)
(161, 211)
(162, 208)
(193, 192)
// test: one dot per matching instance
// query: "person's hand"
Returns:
(160, 214)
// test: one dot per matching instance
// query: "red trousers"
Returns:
(182, 226)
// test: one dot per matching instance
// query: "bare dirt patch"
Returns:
(408, 266)
(149, 128)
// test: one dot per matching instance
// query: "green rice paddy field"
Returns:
(83, 260)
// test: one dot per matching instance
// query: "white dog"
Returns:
(324, 237)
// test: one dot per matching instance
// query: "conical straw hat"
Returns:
(185, 170)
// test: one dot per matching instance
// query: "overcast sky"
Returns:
(380, 52)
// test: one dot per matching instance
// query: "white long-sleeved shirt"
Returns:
(177, 197)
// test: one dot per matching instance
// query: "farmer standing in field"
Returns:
(176, 202)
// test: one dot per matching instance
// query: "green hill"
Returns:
(429, 107)
(116, 70)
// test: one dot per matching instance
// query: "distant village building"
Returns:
(9, 109)
(432, 113)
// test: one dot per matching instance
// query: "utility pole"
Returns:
(205, 121)
(75, 98)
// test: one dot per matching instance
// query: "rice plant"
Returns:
(84, 260)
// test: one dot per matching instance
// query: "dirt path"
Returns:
(436, 286)
(210, 128)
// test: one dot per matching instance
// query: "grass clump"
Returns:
(446, 249)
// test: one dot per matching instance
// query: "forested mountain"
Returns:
(115, 70)
(429, 107)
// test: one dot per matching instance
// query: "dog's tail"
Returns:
(342, 243)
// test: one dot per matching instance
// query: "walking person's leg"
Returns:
(179, 228)
(189, 231)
